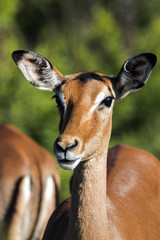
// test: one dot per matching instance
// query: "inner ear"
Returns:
(139, 68)
(37, 70)
(134, 74)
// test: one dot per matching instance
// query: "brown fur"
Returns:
(136, 215)
(124, 212)
(124, 206)
(20, 156)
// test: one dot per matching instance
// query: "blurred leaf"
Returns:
(80, 36)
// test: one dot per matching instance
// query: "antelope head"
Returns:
(85, 101)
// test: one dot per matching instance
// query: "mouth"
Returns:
(68, 164)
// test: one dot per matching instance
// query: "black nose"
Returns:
(60, 146)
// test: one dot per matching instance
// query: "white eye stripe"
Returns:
(98, 100)
(62, 99)
(100, 97)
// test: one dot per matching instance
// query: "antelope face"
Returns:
(85, 102)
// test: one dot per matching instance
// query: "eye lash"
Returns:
(107, 101)
(112, 97)
(109, 97)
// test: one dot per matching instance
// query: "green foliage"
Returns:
(79, 36)
(7, 12)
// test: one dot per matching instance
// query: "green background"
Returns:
(79, 36)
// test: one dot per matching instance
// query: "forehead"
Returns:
(88, 85)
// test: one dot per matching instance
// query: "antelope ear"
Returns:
(37, 70)
(134, 74)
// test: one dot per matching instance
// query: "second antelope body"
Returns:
(118, 202)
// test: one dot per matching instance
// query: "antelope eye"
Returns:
(107, 101)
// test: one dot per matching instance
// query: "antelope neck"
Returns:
(88, 219)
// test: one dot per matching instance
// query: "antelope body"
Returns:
(29, 182)
(126, 203)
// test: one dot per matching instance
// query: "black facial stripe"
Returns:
(65, 119)
(86, 77)
(110, 91)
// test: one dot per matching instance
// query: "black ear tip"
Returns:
(17, 55)
(152, 58)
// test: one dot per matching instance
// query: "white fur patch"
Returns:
(48, 194)
(70, 165)
(113, 231)
(126, 188)
(100, 97)
(24, 204)
(26, 189)
(125, 181)
(37, 71)
(62, 99)
(125, 69)
(46, 206)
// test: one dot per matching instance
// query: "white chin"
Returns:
(68, 164)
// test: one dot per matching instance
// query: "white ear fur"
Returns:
(37, 70)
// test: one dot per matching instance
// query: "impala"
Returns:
(28, 186)
(126, 203)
